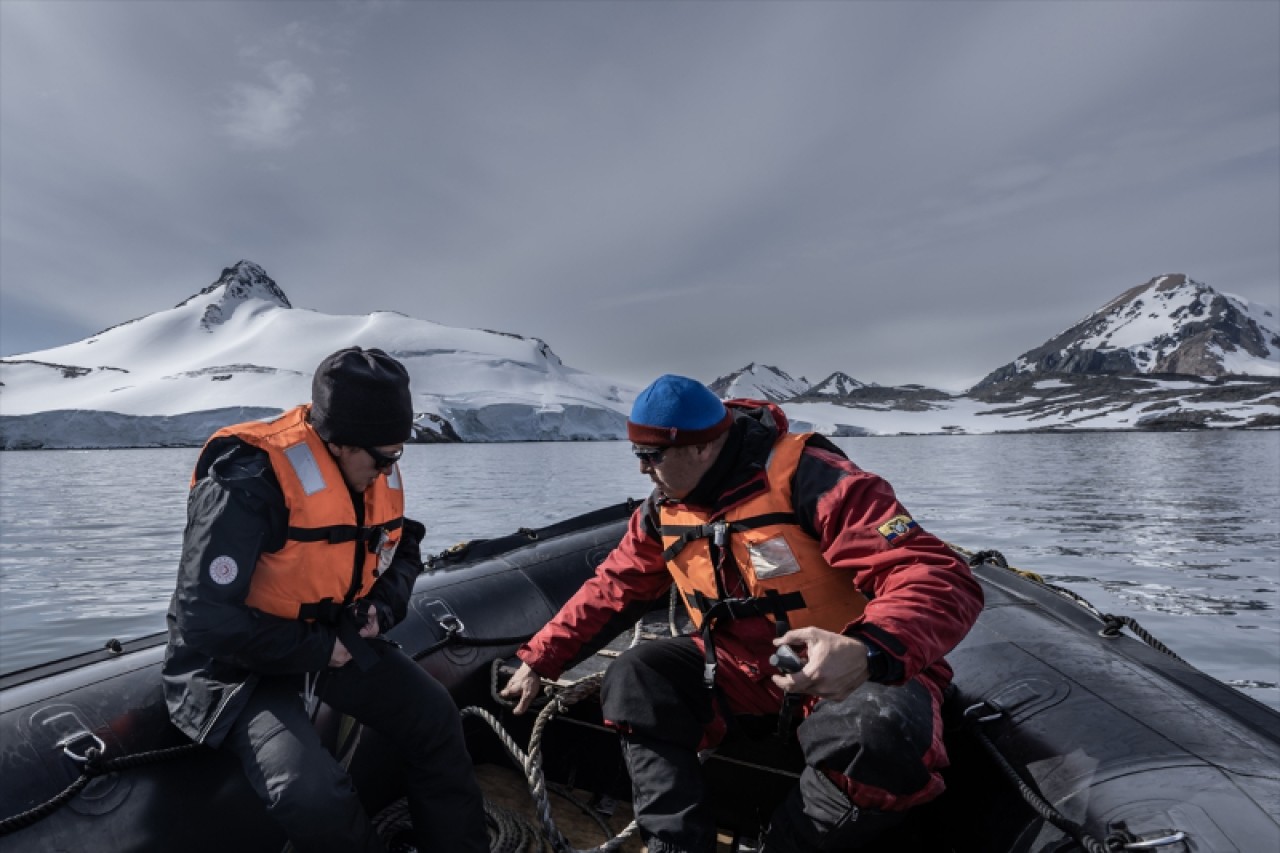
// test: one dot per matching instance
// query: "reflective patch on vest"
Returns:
(393, 478)
(386, 551)
(223, 570)
(772, 558)
(898, 527)
(305, 468)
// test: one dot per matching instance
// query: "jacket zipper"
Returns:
(222, 706)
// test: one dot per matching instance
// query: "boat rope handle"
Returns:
(1152, 843)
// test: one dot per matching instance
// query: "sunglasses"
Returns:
(651, 455)
(383, 461)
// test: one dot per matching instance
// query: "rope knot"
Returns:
(1112, 625)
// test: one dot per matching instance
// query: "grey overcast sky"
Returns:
(904, 191)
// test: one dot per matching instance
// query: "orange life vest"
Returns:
(328, 561)
(780, 563)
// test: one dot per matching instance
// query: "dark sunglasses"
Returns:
(652, 455)
(382, 461)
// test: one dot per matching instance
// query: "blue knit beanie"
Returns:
(675, 411)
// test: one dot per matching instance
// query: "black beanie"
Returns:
(360, 398)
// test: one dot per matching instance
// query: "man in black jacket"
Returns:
(296, 558)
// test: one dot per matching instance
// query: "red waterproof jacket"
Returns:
(922, 598)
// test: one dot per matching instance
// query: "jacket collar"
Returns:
(739, 471)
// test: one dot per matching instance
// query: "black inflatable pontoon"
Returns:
(1066, 734)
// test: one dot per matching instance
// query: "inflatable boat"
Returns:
(1066, 731)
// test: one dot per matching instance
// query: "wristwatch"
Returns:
(877, 663)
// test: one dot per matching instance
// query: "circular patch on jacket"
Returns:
(223, 570)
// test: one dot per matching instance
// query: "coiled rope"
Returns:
(509, 832)
(531, 762)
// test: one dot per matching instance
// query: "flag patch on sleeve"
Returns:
(898, 527)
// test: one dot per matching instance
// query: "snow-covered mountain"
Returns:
(759, 382)
(239, 349)
(1171, 324)
(837, 384)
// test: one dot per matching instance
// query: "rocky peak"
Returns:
(759, 382)
(238, 284)
(1171, 324)
(837, 384)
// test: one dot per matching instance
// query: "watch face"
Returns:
(877, 665)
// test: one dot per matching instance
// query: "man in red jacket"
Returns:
(778, 544)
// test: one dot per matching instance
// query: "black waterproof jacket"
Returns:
(219, 647)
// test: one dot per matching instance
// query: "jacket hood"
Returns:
(768, 415)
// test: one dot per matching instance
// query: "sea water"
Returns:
(1180, 531)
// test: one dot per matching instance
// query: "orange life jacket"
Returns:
(782, 565)
(327, 561)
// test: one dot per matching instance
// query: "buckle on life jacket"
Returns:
(337, 534)
(718, 531)
(326, 611)
(772, 603)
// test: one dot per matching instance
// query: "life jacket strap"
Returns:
(772, 603)
(686, 533)
(336, 534)
(340, 617)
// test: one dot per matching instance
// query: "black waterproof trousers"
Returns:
(877, 737)
(309, 794)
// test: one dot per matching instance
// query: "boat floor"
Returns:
(507, 788)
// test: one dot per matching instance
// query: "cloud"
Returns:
(269, 116)
(906, 192)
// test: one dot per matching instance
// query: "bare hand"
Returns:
(523, 687)
(370, 627)
(339, 656)
(835, 665)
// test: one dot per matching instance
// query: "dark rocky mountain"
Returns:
(1172, 353)
(837, 384)
(1170, 325)
(902, 398)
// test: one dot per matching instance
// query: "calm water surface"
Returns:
(1180, 531)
